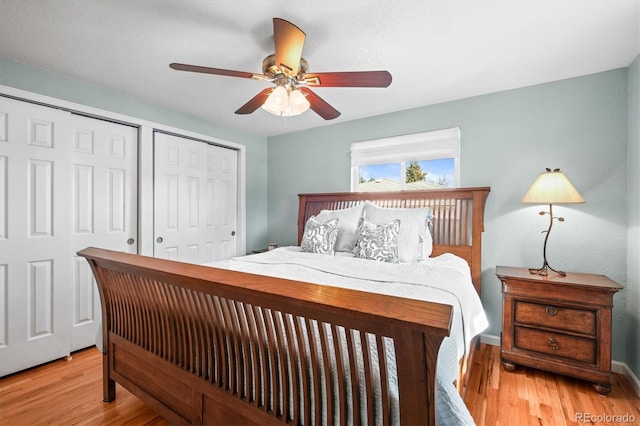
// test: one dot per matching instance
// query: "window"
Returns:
(425, 160)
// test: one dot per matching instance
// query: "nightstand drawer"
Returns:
(558, 317)
(562, 345)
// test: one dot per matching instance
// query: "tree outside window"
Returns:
(427, 174)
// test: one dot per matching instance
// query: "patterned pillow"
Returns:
(414, 242)
(378, 242)
(319, 237)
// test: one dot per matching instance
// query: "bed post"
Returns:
(479, 200)
(108, 384)
(413, 349)
(302, 208)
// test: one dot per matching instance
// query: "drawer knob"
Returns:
(552, 311)
(553, 344)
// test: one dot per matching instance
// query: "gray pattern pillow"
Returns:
(319, 237)
(414, 242)
(378, 242)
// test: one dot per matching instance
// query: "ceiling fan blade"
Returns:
(255, 102)
(207, 70)
(319, 105)
(289, 41)
(348, 79)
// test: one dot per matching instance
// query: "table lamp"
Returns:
(551, 187)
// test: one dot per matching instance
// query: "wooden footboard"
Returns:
(209, 346)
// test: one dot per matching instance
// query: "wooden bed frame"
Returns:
(202, 345)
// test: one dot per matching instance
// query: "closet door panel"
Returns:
(222, 202)
(104, 200)
(35, 235)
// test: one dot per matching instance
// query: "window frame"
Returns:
(423, 146)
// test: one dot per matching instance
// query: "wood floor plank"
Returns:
(70, 393)
(530, 396)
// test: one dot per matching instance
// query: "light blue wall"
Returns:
(508, 138)
(633, 247)
(35, 80)
(579, 125)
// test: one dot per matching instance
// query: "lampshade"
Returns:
(277, 102)
(285, 102)
(552, 187)
(298, 102)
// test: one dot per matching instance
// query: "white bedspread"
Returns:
(444, 279)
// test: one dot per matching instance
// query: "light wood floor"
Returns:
(532, 397)
(70, 392)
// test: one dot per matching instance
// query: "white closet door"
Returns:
(103, 209)
(195, 200)
(35, 269)
(222, 202)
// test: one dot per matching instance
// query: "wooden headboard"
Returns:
(458, 213)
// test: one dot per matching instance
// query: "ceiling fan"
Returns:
(289, 71)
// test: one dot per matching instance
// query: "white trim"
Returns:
(431, 145)
(145, 160)
(490, 339)
(616, 366)
(623, 368)
(145, 191)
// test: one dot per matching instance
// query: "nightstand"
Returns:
(558, 324)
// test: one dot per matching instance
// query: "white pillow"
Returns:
(347, 226)
(319, 237)
(414, 242)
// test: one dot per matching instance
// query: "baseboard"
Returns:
(616, 366)
(623, 368)
(490, 339)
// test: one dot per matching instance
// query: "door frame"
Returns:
(145, 160)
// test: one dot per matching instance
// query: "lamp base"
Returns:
(544, 271)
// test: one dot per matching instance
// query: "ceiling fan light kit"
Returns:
(288, 70)
(286, 102)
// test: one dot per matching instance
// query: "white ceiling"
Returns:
(436, 51)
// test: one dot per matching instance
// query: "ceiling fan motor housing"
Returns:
(270, 68)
